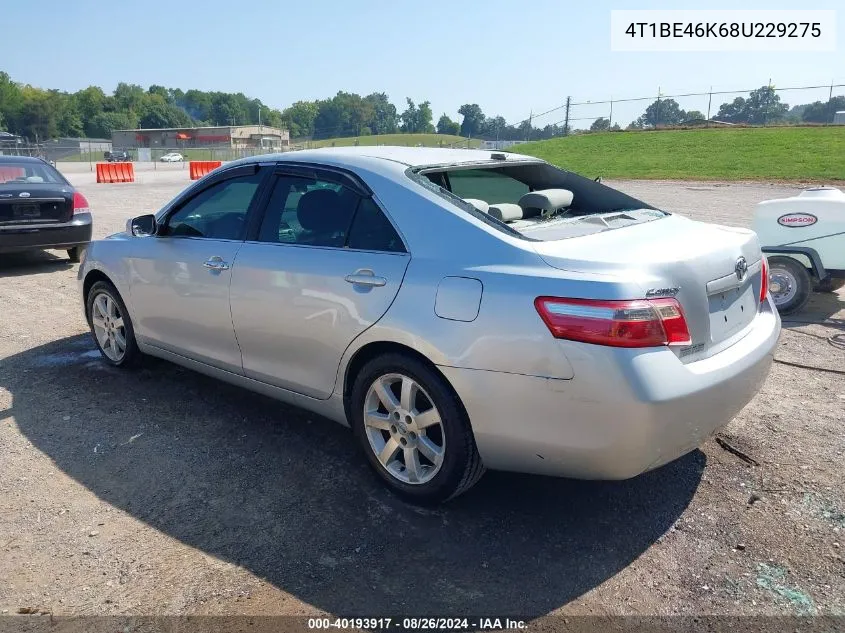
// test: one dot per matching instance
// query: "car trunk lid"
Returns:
(35, 203)
(714, 272)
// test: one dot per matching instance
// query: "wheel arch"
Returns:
(374, 349)
(93, 276)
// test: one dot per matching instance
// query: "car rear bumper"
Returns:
(17, 238)
(624, 412)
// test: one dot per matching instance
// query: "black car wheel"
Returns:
(789, 284)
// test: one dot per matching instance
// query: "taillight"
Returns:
(764, 280)
(635, 323)
(80, 203)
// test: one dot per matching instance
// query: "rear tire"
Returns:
(74, 253)
(111, 326)
(831, 284)
(789, 284)
(420, 442)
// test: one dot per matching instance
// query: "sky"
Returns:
(512, 57)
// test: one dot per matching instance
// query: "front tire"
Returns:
(111, 326)
(414, 430)
(789, 284)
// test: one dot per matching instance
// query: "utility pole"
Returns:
(530, 125)
(709, 102)
(830, 102)
(610, 120)
(566, 118)
(657, 115)
(766, 110)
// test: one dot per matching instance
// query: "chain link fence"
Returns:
(756, 107)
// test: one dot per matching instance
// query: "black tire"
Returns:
(131, 354)
(831, 284)
(793, 299)
(74, 253)
(461, 467)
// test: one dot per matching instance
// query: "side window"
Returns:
(372, 231)
(308, 211)
(218, 212)
(485, 184)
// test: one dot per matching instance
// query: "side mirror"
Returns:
(142, 226)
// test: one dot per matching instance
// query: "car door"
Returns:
(324, 264)
(180, 277)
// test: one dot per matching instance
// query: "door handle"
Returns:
(365, 277)
(216, 263)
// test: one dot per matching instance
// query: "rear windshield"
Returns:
(508, 183)
(29, 172)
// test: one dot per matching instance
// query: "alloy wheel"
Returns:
(108, 325)
(404, 428)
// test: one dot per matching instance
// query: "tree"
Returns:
(128, 97)
(493, 128)
(822, 112)
(762, 106)
(445, 125)
(662, 112)
(342, 115)
(299, 118)
(694, 115)
(155, 112)
(417, 119)
(733, 112)
(600, 125)
(383, 119)
(104, 123)
(473, 121)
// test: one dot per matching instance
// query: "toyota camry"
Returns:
(458, 309)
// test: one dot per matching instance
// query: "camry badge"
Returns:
(23, 194)
(741, 268)
(651, 293)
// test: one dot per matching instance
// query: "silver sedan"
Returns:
(459, 309)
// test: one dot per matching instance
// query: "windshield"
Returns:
(29, 172)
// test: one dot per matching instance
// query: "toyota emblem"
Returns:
(741, 268)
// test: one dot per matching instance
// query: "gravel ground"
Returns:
(160, 491)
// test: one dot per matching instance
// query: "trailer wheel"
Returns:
(789, 284)
(831, 284)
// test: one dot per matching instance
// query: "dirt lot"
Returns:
(160, 491)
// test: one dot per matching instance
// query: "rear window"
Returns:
(489, 185)
(507, 183)
(28, 172)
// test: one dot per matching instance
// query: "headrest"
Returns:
(321, 210)
(478, 204)
(506, 211)
(547, 200)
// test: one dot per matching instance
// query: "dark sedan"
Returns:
(40, 209)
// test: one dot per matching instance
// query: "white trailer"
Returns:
(803, 238)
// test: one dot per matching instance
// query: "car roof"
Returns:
(407, 156)
(19, 159)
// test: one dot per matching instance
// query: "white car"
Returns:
(172, 157)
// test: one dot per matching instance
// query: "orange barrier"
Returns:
(200, 168)
(10, 173)
(115, 172)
